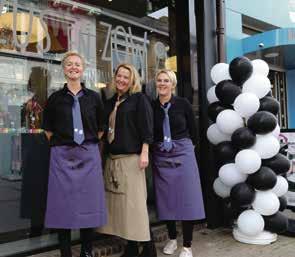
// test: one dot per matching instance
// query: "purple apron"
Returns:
(76, 197)
(177, 182)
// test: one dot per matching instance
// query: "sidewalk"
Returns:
(207, 243)
(219, 243)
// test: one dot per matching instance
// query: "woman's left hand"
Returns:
(143, 160)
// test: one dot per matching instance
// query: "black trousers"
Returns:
(64, 238)
(187, 230)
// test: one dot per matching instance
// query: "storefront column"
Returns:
(207, 56)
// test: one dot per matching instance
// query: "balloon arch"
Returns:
(245, 134)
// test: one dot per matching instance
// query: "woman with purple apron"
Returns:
(73, 124)
(175, 171)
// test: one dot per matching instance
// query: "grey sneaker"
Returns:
(186, 252)
(170, 247)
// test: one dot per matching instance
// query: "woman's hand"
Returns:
(143, 160)
(144, 156)
(48, 134)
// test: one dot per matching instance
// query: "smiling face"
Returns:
(164, 85)
(73, 68)
(122, 80)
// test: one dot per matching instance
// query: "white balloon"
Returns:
(258, 85)
(230, 176)
(221, 189)
(215, 136)
(211, 96)
(248, 161)
(266, 203)
(276, 132)
(281, 187)
(228, 121)
(266, 146)
(246, 104)
(260, 67)
(250, 223)
(219, 72)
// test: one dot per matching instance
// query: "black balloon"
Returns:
(269, 93)
(283, 203)
(262, 122)
(227, 91)
(225, 152)
(230, 211)
(269, 104)
(240, 69)
(215, 108)
(276, 223)
(263, 179)
(279, 164)
(242, 194)
(243, 138)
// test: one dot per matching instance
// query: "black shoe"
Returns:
(66, 252)
(131, 249)
(149, 250)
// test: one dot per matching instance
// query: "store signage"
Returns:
(23, 24)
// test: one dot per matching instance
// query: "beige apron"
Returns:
(126, 196)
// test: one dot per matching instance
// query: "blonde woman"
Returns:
(175, 170)
(130, 131)
(73, 123)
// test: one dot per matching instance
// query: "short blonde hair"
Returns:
(171, 75)
(134, 84)
(72, 53)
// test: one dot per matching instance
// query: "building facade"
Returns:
(34, 35)
(188, 36)
(265, 30)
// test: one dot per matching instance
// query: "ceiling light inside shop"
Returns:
(22, 26)
(100, 85)
(5, 9)
(171, 63)
(271, 55)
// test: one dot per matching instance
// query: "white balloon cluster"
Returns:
(251, 132)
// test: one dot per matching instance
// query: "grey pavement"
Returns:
(220, 243)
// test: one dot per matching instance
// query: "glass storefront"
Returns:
(266, 30)
(34, 35)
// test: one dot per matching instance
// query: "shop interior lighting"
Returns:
(22, 26)
(4, 9)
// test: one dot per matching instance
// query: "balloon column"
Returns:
(245, 134)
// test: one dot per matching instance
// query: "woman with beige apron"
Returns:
(130, 131)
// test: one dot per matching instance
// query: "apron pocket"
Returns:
(114, 177)
(168, 163)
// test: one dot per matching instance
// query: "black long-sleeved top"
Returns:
(134, 124)
(58, 116)
(181, 117)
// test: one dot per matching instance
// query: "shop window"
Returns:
(30, 71)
